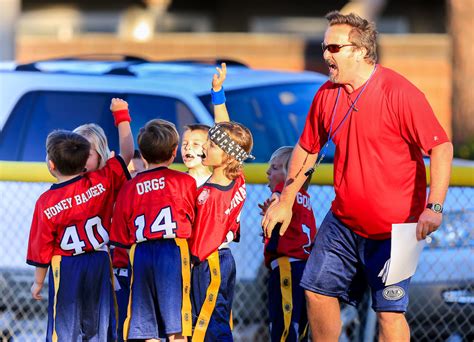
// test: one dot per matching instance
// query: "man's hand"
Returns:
(118, 104)
(218, 79)
(277, 212)
(36, 291)
(428, 222)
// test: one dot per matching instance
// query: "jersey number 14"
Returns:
(162, 223)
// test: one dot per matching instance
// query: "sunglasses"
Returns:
(334, 48)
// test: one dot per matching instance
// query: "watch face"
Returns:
(437, 207)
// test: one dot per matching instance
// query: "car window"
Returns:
(38, 113)
(275, 114)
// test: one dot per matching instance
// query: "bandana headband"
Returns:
(220, 137)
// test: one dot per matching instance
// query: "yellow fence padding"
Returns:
(254, 173)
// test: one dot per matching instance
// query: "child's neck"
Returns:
(62, 179)
(218, 177)
(199, 172)
(154, 166)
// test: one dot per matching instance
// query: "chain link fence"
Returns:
(441, 296)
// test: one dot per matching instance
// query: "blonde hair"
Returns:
(242, 136)
(285, 153)
(96, 136)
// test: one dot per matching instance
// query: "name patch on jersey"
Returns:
(239, 197)
(150, 185)
(303, 200)
(67, 203)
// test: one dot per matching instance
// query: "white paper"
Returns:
(406, 250)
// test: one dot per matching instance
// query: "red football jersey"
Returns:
(156, 204)
(74, 217)
(218, 212)
(299, 237)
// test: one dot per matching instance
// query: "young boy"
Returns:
(194, 137)
(219, 203)
(286, 257)
(153, 215)
(69, 232)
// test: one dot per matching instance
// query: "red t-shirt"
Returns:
(379, 174)
(299, 237)
(218, 212)
(156, 204)
(73, 217)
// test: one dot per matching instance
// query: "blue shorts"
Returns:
(80, 293)
(343, 263)
(122, 298)
(160, 302)
(213, 284)
(287, 317)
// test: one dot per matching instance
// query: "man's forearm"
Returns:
(440, 172)
(301, 161)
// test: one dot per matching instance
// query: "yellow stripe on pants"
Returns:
(126, 324)
(286, 294)
(186, 322)
(211, 298)
(114, 296)
(56, 269)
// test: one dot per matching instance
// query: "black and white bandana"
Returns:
(220, 137)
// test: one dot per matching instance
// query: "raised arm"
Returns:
(281, 210)
(440, 172)
(119, 109)
(220, 109)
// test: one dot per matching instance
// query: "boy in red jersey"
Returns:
(70, 232)
(219, 203)
(154, 215)
(286, 256)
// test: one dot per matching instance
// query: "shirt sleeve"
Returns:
(418, 122)
(120, 232)
(116, 172)
(41, 240)
(314, 136)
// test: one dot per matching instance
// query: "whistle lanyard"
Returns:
(331, 135)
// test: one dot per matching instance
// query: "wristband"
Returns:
(218, 97)
(121, 116)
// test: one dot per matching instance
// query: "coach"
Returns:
(380, 124)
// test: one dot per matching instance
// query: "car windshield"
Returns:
(275, 114)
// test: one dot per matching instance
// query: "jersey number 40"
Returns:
(94, 230)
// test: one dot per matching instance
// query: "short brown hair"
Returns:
(362, 35)
(68, 151)
(157, 141)
(242, 136)
(197, 127)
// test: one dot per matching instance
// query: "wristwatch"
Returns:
(436, 207)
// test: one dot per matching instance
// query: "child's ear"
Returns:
(51, 167)
(175, 152)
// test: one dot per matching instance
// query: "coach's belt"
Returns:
(274, 263)
(121, 272)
